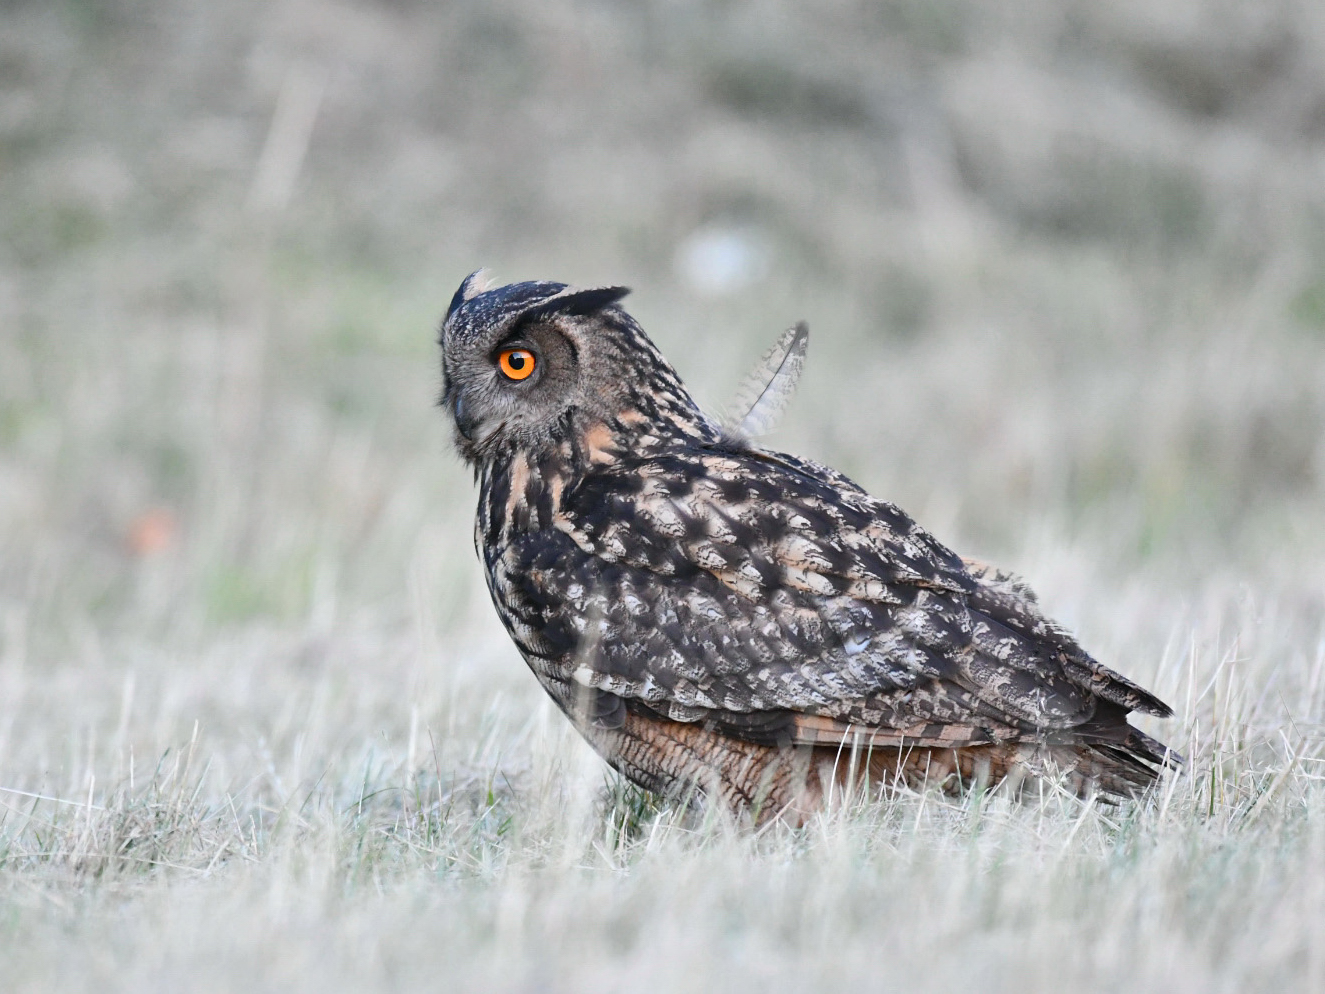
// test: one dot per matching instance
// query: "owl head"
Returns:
(528, 364)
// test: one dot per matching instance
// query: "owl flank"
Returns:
(716, 617)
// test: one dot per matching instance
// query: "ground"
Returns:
(259, 727)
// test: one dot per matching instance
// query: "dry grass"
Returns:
(258, 726)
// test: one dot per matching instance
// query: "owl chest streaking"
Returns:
(715, 616)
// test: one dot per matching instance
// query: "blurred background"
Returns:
(1063, 264)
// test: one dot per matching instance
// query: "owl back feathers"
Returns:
(750, 594)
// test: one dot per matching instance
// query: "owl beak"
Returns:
(464, 424)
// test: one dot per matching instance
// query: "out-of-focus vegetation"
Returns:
(1064, 269)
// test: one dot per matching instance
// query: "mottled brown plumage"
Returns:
(711, 614)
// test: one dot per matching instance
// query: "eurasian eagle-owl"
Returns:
(714, 615)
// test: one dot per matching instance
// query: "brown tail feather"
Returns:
(1106, 754)
(1088, 768)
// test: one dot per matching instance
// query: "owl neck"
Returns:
(521, 489)
(520, 493)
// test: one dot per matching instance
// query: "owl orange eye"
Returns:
(516, 364)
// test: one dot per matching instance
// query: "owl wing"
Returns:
(1008, 599)
(774, 599)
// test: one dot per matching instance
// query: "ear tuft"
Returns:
(475, 283)
(579, 302)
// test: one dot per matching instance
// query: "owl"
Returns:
(722, 620)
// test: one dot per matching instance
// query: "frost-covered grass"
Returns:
(316, 852)
(259, 728)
